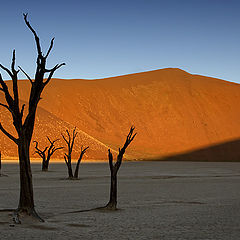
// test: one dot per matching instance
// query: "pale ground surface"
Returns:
(157, 200)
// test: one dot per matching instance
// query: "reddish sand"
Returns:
(172, 110)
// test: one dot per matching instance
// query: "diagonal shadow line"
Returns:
(7, 210)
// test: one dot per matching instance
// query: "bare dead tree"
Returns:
(24, 127)
(47, 153)
(112, 204)
(83, 150)
(69, 139)
(68, 156)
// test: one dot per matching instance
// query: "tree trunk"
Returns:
(26, 202)
(47, 162)
(70, 172)
(44, 165)
(77, 169)
(112, 204)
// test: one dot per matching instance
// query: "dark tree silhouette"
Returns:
(68, 156)
(112, 204)
(24, 127)
(47, 153)
(69, 139)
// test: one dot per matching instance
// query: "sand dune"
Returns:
(173, 112)
(49, 125)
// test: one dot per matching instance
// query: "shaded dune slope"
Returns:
(173, 111)
(228, 151)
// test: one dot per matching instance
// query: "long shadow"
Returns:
(224, 152)
(100, 209)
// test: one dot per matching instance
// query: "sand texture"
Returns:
(173, 112)
(157, 200)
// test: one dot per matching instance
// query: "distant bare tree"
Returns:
(68, 156)
(69, 139)
(24, 127)
(112, 204)
(50, 151)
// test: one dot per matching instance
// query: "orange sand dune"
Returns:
(49, 125)
(173, 112)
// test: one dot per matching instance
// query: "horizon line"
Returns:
(133, 73)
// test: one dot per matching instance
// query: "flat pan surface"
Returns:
(157, 200)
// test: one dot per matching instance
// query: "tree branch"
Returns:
(6, 70)
(7, 107)
(8, 134)
(15, 83)
(4, 88)
(52, 72)
(55, 149)
(52, 142)
(52, 148)
(50, 48)
(28, 77)
(34, 33)
(39, 151)
(65, 158)
(64, 138)
(129, 139)
(13, 63)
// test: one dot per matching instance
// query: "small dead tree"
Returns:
(24, 126)
(68, 156)
(47, 153)
(69, 139)
(112, 204)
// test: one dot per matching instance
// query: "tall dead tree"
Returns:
(70, 139)
(24, 126)
(114, 167)
(47, 153)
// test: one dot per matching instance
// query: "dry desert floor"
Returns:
(157, 200)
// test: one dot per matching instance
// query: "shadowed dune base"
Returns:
(225, 152)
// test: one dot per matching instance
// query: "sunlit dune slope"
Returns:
(172, 110)
(49, 125)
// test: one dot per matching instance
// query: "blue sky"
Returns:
(102, 38)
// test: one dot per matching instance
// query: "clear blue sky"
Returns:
(99, 38)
